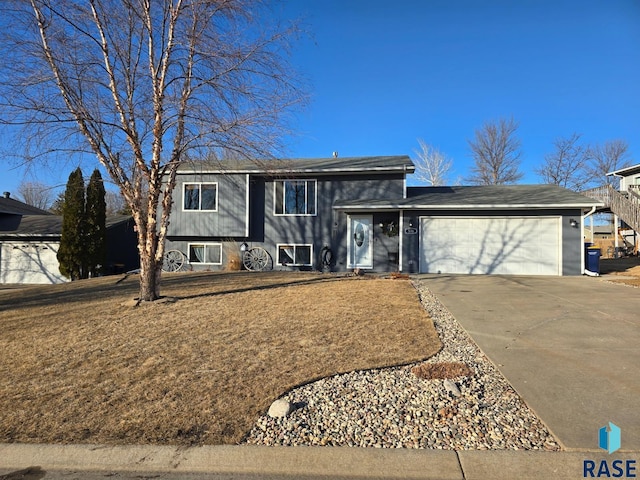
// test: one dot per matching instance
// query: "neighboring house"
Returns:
(347, 213)
(30, 238)
(629, 178)
(600, 232)
(624, 204)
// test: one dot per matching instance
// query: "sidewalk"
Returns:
(301, 462)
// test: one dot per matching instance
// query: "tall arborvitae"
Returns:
(96, 231)
(71, 254)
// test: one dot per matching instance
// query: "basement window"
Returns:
(295, 255)
(205, 253)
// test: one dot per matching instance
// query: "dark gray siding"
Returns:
(328, 228)
(230, 220)
(572, 243)
(122, 248)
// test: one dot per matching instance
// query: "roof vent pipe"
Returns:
(6, 194)
(335, 154)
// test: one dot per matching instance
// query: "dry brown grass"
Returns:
(77, 366)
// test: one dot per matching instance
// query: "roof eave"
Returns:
(299, 171)
(398, 206)
(627, 170)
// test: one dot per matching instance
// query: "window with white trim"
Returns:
(295, 197)
(295, 255)
(205, 253)
(200, 196)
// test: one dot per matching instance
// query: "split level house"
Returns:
(341, 214)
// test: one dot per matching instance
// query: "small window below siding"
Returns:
(205, 253)
(200, 197)
(295, 255)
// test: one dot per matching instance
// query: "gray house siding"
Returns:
(571, 241)
(328, 228)
(260, 226)
(230, 218)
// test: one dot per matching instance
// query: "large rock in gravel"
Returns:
(452, 388)
(280, 408)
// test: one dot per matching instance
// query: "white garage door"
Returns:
(490, 245)
(29, 262)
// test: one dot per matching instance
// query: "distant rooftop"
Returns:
(45, 225)
(16, 207)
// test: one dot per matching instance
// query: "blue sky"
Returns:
(387, 73)
(383, 74)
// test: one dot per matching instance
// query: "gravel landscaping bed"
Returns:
(393, 408)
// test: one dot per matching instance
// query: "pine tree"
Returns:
(71, 254)
(96, 231)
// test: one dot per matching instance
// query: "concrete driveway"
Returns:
(570, 346)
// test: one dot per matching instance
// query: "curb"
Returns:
(332, 462)
(284, 461)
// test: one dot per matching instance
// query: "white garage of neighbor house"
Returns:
(514, 229)
(29, 245)
(30, 262)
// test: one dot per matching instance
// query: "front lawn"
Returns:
(76, 366)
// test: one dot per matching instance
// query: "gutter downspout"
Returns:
(582, 250)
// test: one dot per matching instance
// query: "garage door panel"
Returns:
(490, 245)
(29, 262)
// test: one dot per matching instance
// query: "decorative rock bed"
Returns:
(394, 408)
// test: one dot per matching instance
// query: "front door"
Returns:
(361, 241)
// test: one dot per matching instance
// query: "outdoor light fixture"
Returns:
(243, 247)
(573, 222)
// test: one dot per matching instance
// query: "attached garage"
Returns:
(509, 245)
(492, 229)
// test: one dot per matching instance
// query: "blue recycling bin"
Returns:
(593, 259)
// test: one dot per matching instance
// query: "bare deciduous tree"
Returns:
(116, 204)
(142, 84)
(496, 152)
(605, 158)
(36, 194)
(432, 166)
(567, 166)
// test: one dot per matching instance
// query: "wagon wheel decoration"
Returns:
(256, 259)
(173, 261)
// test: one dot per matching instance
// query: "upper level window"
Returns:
(295, 197)
(200, 196)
